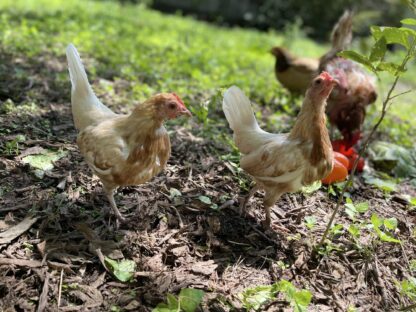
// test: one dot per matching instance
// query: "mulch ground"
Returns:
(64, 228)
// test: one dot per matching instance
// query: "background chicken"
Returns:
(347, 103)
(120, 149)
(294, 73)
(281, 163)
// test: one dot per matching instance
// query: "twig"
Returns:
(409, 307)
(43, 300)
(365, 146)
(402, 93)
(60, 288)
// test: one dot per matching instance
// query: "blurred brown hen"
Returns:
(294, 73)
(356, 89)
(121, 150)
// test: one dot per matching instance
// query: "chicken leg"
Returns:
(243, 206)
(110, 195)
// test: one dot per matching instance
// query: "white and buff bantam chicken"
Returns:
(284, 162)
(121, 150)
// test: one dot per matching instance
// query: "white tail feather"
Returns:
(238, 111)
(86, 107)
(77, 74)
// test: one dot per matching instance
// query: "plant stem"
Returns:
(364, 147)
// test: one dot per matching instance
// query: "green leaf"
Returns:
(393, 35)
(388, 186)
(303, 297)
(390, 223)
(408, 21)
(189, 299)
(123, 270)
(172, 305)
(387, 238)
(337, 229)
(310, 222)
(392, 68)
(378, 50)
(205, 199)
(254, 298)
(362, 207)
(354, 230)
(174, 192)
(359, 58)
(45, 160)
(376, 221)
(309, 189)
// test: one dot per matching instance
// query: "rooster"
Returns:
(356, 90)
(281, 163)
(121, 150)
(294, 73)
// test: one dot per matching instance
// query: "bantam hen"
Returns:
(356, 89)
(285, 162)
(294, 73)
(121, 150)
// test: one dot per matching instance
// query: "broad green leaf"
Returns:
(376, 221)
(174, 192)
(393, 34)
(309, 189)
(172, 305)
(310, 222)
(123, 270)
(390, 223)
(189, 299)
(354, 230)
(359, 58)
(386, 237)
(43, 161)
(384, 185)
(362, 207)
(254, 298)
(408, 21)
(392, 68)
(303, 297)
(378, 50)
(337, 229)
(205, 200)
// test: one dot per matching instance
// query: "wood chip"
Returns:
(17, 230)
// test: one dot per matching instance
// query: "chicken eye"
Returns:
(172, 105)
(318, 81)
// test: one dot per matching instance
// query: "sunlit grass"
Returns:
(157, 52)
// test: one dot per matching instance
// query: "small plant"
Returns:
(188, 301)
(352, 209)
(255, 298)
(389, 225)
(12, 147)
(310, 222)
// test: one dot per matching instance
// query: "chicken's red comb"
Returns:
(326, 76)
(178, 98)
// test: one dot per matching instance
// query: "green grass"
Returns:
(156, 52)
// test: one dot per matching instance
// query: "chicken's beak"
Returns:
(185, 111)
(335, 82)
